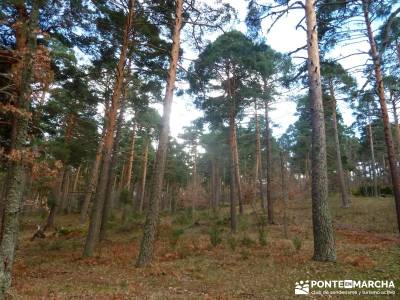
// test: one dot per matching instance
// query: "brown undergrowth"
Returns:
(198, 258)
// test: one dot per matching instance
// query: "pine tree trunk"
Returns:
(194, 177)
(144, 175)
(373, 162)
(25, 34)
(270, 200)
(65, 191)
(233, 181)
(93, 178)
(212, 186)
(97, 209)
(384, 112)
(259, 165)
(217, 185)
(237, 171)
(324, 241)
(50, 221)
(233, 136)
(339, 166)
(147, 244)
(112, 171)
(285, 195)
(129, 168)
(72, 202)
(396, 122)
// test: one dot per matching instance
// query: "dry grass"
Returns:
(367, 245)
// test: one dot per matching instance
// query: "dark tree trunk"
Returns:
(258, 164)
(324, 241)
(65, 191)
(339, 165)
(113, 171)
(285, 194)
(73, 196)
(149, 233)
(373, 161)
(128, 171)
(270, 200)
(384, 111)
(144, 176)
(93, 179)
(237, 169)
(233, 181)
(213, 186)
(217, 185)
(394, 100)
(94, 172)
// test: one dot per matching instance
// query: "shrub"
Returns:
(232, 242)
(297, 243)
(175, 235)
(243, 224)
(245, 254)
(56, 245)
(215, 236)
(247, 241)
(64, 231)
(222, 221)
(183, 218)
(124, 196)
(262, 237)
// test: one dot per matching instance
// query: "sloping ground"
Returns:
(189, 267)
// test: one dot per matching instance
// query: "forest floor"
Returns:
(187, 265)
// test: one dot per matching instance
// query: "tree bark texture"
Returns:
(324, 241)
(149, 232)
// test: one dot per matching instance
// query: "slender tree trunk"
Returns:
(373, 162)
(129, 168)
(97, 209)
(306, 166)
(25, 35)
(93, 179)
(259, 165)
(144, 175)
(237, 171)
(194, 178)
(324, 241)
(233, 141)
(270, 200)
(258, 150)
(396, 121)
(339, 166)
(50, 222)
(65, 191)
(72, 201)
(384, 111)
(149, 233)
(112, 176)
(218, 186)
(233, 181)
(285, 195)
(213, 187)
